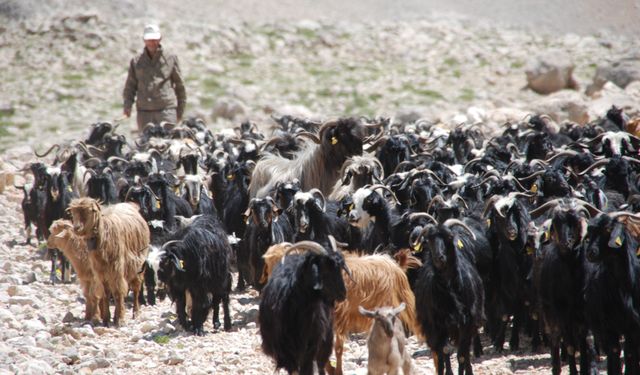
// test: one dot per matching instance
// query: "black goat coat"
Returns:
(199, 264)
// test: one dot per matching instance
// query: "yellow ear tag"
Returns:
(334, 140)
(351, 207)
(229, 177)
(158, 205)
(638, 252)
(69, 189)
(181, 263)
(546, 235)
(460, 244)
(529, 250)
(534, 188)
(418, 247)
(618, 241)
(176, 190)
(488, 222)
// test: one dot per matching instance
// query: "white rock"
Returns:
(148, 327)
(36, 366)
(33, 325)
(173, 359)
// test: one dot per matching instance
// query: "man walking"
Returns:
(154, 77)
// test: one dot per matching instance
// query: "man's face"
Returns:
(152, 45)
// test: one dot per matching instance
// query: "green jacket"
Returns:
(153, 81)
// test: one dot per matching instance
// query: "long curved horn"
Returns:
(310, 136)
(453, 222)
(306, 245)
(594, 166)
(544, 208)
(55, 146)
(377, 144)
(90, 171)
(531, 176)
(315, 191)
(326, 126)
(457, 197)
(436, 199)
(617, 214)
(563, 153)
(490, 203)
(384, 187)
(117, 158)
(91, 160)
(169, 243)
(415, 215)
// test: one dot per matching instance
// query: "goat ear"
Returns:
(399, 309)
(617, 236)
(315, 274)
(178, 263)
(346, 180)
(366, 312)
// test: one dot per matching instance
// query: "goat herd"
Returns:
(360, 225)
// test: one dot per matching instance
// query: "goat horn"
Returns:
(383, 187)
(544, 208)
(490, 203)
(117, 158)
(436, 199)
(377, 144)
(310, 136)
(91, 160)
(169, 243)
(55, 146)
(511, 146)
(628, 158)
(533, 175)
(457, 197)
(563, 153)
(306, 245)
(594, 166)
(315, 191)
(90, 171)
(453, 222)
(415, 215)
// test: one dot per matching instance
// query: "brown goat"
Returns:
(117, 239)
(74, 248)
(377, 281)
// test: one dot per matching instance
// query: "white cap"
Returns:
(151, 32)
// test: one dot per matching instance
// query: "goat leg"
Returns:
(588, 364)
(556, 365)
(181, 304)
(227, 314)
(339, 349)
(464, 357)
(52, 275)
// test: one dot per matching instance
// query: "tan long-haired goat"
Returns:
(117, 239)
(74, 248)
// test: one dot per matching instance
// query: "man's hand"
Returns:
(127, 112)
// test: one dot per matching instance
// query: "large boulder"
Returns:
(621, 72)
(228, 108)
(551, 72)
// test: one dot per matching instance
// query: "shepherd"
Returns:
(151, 78)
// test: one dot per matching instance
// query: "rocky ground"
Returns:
(61, 74)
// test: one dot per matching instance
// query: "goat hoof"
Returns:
(216, 325)
(198, 331)
(227, 327)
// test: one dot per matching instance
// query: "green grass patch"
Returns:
(457, 73)
(161, 339)
(467, 95)
(243, 59)
(517, 64)
(307, 33)
(4, 131)
(432, 94)
(451, 61)
(22, 125)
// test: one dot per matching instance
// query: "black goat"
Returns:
(449, 295)
(560, 283)
(266, 226)
(368, 206)
(170, 203)
(296, 310)
(315, 219)
(196, 260)
(32, 207)
(237, 197)
(613, 290)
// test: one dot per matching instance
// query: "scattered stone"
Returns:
(71, 356)
(228, 108)
(551, 72)
(173, 359)
(621, 72)
(22, 301)
(68, 317)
